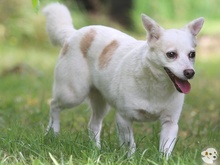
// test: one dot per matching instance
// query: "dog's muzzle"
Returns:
(183, 86)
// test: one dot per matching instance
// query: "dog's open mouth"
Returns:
(183, 86)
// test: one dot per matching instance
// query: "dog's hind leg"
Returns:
(64, 101)
(54, 121)
(71, 87)
(99, 110)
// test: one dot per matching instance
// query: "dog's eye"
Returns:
(192, 54)
(171, 55)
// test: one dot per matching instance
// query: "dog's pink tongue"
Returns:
(184, 85)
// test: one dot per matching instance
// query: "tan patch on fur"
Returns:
(107, 53)
(64, 49)
(86, 41)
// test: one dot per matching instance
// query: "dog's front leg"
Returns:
(168, 137)
(125, 133)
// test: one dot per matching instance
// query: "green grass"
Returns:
(24, 110)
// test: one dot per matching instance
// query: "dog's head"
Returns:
(209, 155)
(174, 50)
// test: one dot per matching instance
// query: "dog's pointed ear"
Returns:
(194, 26)
(154, 30)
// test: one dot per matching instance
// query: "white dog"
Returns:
(142, 80)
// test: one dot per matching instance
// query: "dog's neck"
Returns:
(147, 71)
(150, 67)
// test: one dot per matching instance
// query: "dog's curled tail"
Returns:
(58, 23)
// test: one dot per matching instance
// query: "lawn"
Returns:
(26, 77)
(26, 83)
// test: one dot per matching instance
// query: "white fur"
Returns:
(59, 24)
(134, 82)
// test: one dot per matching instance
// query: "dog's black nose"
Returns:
(189, 73)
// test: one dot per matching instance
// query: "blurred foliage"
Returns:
(179, 10)
(175, 12)
(21, 24)
(36, 4)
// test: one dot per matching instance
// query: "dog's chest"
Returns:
(144, 115)
(141, 106)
